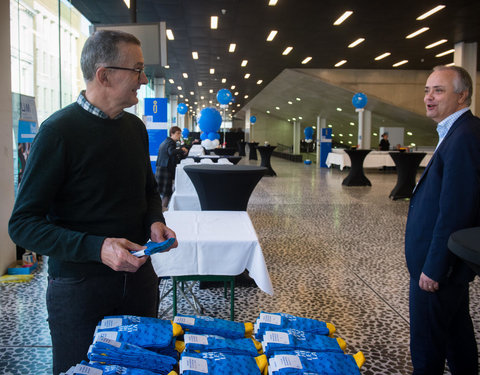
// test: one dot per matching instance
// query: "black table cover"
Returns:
(406, 164)
(226, 187)
(225, 151)
(253, 150)
(241, 148)
(356, 177)
(266, 154)
(231, 159)
(465, 244)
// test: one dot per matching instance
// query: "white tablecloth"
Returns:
(213, 243)
(374, 159)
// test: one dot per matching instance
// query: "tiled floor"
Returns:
(334, 253)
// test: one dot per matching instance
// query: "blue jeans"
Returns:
(76, 304)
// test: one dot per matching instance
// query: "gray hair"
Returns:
(463, 81)
(101, 49)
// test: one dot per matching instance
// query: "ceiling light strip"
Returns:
(430, 12)
(306, 60)
(287, 51)
(232, 47)
(213, 22)
(340, 63)
(343, 17)
(356, 43)
(170, 34)
(272, 35)
(418, 32)
(400, 63)
(441, 41)
(382, 56)
(445, 53)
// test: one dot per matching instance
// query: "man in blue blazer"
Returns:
(446, 199)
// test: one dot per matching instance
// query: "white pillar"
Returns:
(367, 129)
(7, 253)
(174, 116)
(159, 87)
(466, 56)
(248, 129)
(296, 137)
(360, 127)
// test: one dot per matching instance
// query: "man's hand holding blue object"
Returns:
(155, 247)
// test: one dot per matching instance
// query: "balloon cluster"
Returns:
(359, 100)
(224, 96)
(185, 133)
(308, 134)
(209, 122)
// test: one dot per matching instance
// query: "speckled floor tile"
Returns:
(334, 253)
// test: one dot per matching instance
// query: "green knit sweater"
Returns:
(86, 179)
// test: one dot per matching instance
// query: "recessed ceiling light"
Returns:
(186, 99)
(330, 125)
(185, 75)
(200, 83)
(306, 60)
(441, 41)
(350, 134)
(340, 135)
(171, 81)
(277, 108)
(268, 111)
(340, 63)
(210, 91)
(298, 99)
(238, 105)
(212, 71)
(213, 22)
(418, 32)
(272, 3)
(224, 80)
(232, 47)
(232, 87)
(294, 119)
(247, 76)
(170, 34)
(195, 55)
(430, 12)
(181, 95)
(202, 97)
(451, 64)
(339, 109)
(244, 63)
(259, 82)
(179, 87)
(127, 3)
(192, 93)
(289, 102)
(209, 102)
(300, 117)
(271, 35)
(445, 53)
(400, 63)
(409, 133)
(382, 56)
(356, 43)
(375, 134)
(236, 93)
(287, 51)
(246, 96)
(343, 17)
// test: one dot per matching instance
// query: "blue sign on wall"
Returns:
(325, 146)
(157, 108)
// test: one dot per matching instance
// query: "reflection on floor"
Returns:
(334, 253)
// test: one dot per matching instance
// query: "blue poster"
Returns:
(157, 108)
(157, 125)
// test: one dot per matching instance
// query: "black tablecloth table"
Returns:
(253, 150)
(356, 177)
(226, 187)
(233, 159)
(265, 154)
(214, 158)
(241, 148)
(230, 151)
(465, 244)
(406, 164)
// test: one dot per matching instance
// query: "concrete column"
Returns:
(248, 128)
(174, 119)
(8, 252)
(321, 124)
(367, 129)
(466, 56)
(296, 137)
(159, 87)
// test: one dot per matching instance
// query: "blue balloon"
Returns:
(359, 100)
(308, 162)
(212, 136)
(182, 108)
(203, 136)
(224, 96)
(253, 119)
(185, 133)
(308, 132)
(210, 120)
(217, 136)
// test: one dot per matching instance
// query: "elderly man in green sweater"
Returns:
(88, 198)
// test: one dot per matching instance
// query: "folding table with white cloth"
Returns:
(212, 243)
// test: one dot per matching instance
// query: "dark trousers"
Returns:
(441, 329)
(76, 304)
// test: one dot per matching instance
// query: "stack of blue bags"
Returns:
(213, 326)
(85, 368)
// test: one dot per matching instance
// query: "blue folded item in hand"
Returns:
(155, 247)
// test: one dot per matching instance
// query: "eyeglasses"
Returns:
(136, 70)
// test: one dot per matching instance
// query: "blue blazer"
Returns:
(446, 199)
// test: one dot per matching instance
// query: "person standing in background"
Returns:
(446, 199)
(384, 143)
(87, 208)
(167, 160)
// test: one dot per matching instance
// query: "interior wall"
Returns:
(7, 248)
(271, 129)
